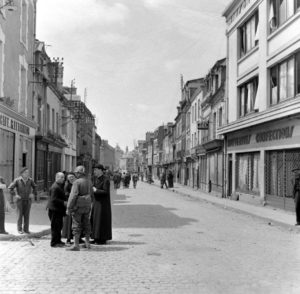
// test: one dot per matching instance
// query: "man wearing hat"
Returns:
(79, 206)
(22, 191)
(101, 210)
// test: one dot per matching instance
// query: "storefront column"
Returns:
(234, 196)
(262, 177)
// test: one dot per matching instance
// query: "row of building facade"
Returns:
(43, 125)
(237, 129)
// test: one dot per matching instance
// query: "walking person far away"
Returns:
(23, 192)
(101, 211)
(2, 207)
(79, 207)
(57, 209)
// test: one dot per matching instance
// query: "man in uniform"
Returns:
(79, 206)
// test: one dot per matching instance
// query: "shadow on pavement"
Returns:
(125, 243)
(146, 216)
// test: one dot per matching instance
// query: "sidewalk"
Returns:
(39, 224)
(271, 214)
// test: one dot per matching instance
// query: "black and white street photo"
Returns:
(150, 146)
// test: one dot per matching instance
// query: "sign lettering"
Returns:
(14, 125)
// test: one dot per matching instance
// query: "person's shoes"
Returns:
(95, 242)
(27, 232)
(58, 245)
(4, 232)
(81, 241)
(69, 242)
(61, 243)
(20, 232)
(73, 248)
(297, 224)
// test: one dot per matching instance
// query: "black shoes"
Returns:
(4, 232)
(98, 242)
(59, 244)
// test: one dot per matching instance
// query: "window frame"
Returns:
(296, 79)
(275, 22)
(243, 50)
(243, 88)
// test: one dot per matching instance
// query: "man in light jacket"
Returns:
(79, 207)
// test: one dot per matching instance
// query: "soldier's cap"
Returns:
(100, 166)
(23, 169)
(79, 169)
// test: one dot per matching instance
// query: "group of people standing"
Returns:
(79, 207)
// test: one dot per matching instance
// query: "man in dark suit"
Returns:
(57, 209)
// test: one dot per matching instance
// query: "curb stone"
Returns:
(35, 235)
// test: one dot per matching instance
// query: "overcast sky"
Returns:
(129, 54)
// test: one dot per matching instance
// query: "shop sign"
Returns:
(262, 137)
(243, 140)
(13, 124)
(278, 134)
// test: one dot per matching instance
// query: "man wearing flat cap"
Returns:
(101, 210)
(23, 191)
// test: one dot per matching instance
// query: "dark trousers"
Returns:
(56, 220)
(162, 183)
(2, 213)
(23, 212)
(297, 206)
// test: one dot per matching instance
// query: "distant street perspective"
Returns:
(150, 146)
(163, 242)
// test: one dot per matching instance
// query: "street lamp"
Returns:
(10, 5)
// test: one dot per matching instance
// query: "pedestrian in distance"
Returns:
(23, 192)
(57, 209)
(135, 178)
(101, 219)
(79, 207)
(163, 180)
(296, 196)
(170, 179)
(2, 206)
(67, 221)
(116, 180)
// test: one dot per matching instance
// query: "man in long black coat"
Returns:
(57, 209)
(101, 210)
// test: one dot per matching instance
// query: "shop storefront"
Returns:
(261, 160)
(16, 144)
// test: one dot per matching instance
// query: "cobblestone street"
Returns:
(162, 243)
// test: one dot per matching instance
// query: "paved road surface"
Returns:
(162, 243)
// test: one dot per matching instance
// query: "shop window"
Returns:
(285, 79)
(247, 175)
(247, 97)
(249, 34)
(280, 11)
